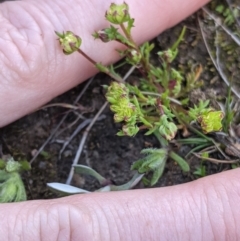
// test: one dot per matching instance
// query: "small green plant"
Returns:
(229, 15)
(11, 186)
(156, 103)
(201, 170)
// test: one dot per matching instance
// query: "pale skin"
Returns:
(34, 70)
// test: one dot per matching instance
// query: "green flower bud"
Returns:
(130, 130)
(124, 112)
(120, 104)
(118, 14)
(12, 166)
(118, 118)
(110, 34)
(102, 35)
(116, 91)
(133, 57)
(69, 41)
(167, 129)
(169, 55)
(105, 35)
(211, 121)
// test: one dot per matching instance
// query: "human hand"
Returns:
(206, 209)
(34, 70)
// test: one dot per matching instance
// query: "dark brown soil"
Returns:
(108, 154)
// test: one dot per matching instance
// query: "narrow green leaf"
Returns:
(157, 173)
(180, 161)
(81, 169)
(65, 189)
(132, 183)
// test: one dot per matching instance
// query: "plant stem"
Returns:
(163, 142)
(115, 77)
(159, 95)
(129, 36)
(106, 71)
(144, 62)
(181, 162)
(87, 57)
(180, 38)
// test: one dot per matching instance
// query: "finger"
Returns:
(206, 209)
(33, 68)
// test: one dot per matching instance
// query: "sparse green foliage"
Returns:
(158, 102)
(46, 155)
(199, 109)
(201, 170)
(230, 15)
(134, 108)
